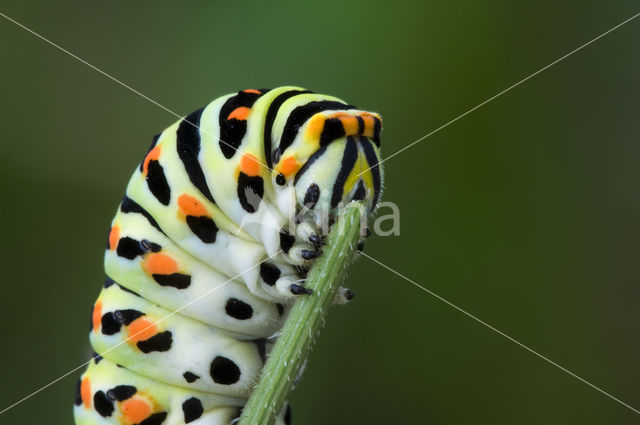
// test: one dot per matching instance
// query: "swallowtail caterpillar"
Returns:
(209, 247)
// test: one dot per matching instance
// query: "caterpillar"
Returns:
(209, 247)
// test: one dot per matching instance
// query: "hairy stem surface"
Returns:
(304, 322)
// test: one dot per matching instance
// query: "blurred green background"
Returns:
(524, 213)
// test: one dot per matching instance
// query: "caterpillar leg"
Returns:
(343, 296)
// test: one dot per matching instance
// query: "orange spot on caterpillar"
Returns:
(288, 166)
(96, 316)
(315, 126)
(114, 235)
(159, 263)
(135, 410)
(141, 329)
(154, 154)
(252, 91)
(250, 165)
(369, 124)
(240, 113)
(189, 205)
(85, 392)
(350, 124)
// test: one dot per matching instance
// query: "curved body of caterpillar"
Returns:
(209, 246)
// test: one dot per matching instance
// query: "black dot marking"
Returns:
(159, 342)
(311, 196)
(286, 241)
(121, 392)
(176, 280)
(250, 192)
(102, 404)
(203, 227)
(280, 308)
(261, 344)
(155, 419)
(269, 273)
(129, 248)
(192, 409)
(332, 130)
(97, 358)
(287, 415)
(110, 325)
(190, 377)
(361, 192)
(128, 205)
(78, 399)
(157, 182)
(281, 180)
(238, 309)
(188, 146)
(360, 246)
(224, 371)
(128, 315)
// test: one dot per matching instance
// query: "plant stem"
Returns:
(304, 322)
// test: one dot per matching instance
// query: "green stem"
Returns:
(304, 322)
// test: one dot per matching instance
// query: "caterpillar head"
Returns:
(337, 174)
(333, 161)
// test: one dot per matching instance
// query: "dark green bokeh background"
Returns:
(525, 212)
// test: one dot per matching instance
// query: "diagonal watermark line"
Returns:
(505, 90)
(500, 332)
(114, 79)
(137, 333)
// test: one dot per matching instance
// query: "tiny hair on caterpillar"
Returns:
(211, 245)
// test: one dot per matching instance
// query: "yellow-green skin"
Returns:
(210, 246)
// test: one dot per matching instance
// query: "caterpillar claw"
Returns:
(281, 289)
(299, 289)
(310, 255)
(316, 240)
(301, 253)
(348, 294)
(304, 230)
(343, 296)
